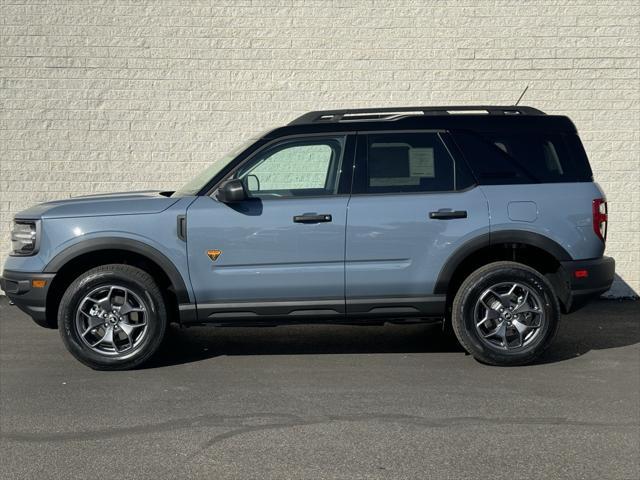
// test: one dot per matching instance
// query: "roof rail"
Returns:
(395, 113)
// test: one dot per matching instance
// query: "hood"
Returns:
(121, 203)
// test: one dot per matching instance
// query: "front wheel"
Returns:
(112, 317)
(505, 313)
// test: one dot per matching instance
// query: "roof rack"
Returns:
(395, 113)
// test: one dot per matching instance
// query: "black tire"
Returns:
(138, 282)
(469, 294)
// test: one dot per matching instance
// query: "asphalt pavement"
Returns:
(316, 402)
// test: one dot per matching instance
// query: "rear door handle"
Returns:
(312, 218)
(447, 214)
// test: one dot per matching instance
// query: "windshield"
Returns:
(193, 186)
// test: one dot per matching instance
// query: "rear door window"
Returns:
(411, 162)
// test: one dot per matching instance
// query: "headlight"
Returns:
(24, 237)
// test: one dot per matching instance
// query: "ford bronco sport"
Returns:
(486, 217)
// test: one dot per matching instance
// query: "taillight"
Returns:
(600, 218)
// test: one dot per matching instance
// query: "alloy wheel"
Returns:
(509, 316)
(112, 320)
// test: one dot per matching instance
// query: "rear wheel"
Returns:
(112, 317)
(505, 313)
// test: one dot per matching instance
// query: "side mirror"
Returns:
(232, 191)
(253, 183)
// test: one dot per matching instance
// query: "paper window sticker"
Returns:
(421, 162)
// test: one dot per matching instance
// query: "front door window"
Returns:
(309, 167)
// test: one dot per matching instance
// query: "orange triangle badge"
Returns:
(213, 254)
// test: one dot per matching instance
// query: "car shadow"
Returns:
(602, 325)
(200, 343)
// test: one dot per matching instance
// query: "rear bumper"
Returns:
(582, 288)
(18, 286)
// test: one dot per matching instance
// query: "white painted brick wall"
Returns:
(114, 95)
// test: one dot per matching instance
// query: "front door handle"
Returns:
(312, 218)
(447, 214)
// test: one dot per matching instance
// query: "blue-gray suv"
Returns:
(485, 217)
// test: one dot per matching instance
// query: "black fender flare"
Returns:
(127, 244)
(470, 247)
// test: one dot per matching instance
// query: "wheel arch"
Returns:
(82, 256)
(530, 248)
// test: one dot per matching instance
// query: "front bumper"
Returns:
(582, 286)
(20, 289)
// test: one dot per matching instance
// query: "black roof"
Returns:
(475, 118)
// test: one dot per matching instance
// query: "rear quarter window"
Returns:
(503, 158)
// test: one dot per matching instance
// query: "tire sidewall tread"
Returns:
(132, 277)
(481, 279)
